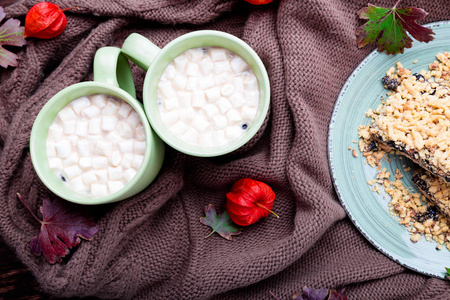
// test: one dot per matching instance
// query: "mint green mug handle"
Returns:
(140, 50)
(112, 67)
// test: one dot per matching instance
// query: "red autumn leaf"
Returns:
(45, 20)
(249, 200)
(11, 33)
(62, 227)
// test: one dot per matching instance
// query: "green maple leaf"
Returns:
(392, 24)
(221, 224)
(12, 34)
(448, 272)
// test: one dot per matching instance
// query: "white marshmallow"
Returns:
(168, 118)
(129, 174)
(222, 67)
(139, 147)
(81, 128)
(218, 138)
(251, 83)
(126, 146)
(180, 63)
(170, 71)
(83, 147)
(193, 69)
(206, 82)
(237, 100)
(102, 175)
(206, 66)
(115, 186)
(115, 158)
(205, 140)
(77, 185)
(234, 117)
(195, 54)
(66, 114)
(220, 122)
(227, 90)
(222, 78)
(212, 94)
(127, 159)
(233, 132)
(99, 190)
(200, 124)
(209, 111)
(192, 84)
(140, 132)
(186, 114)
(218, 54)
(114, 137)
(171, 103)
(55, 163)
(72, 159)
(55, 131)
(98, 100)
(115, 173)
(89, 177)
(179, 81)
(223, 104)
(125, 130)
(178, 128)
(72, 171)
(109, 123)
(63, 148)
(95, 126)
(50, 149)
(90, 111)
(198, 99)
(252, 98)
(238, 83)
(99, 162)
(248, 113)
(134, 120)
(69, 127)
(112, 106)
(190, 136)
(137, 161)
(166, 89)
(103, 147)
(184, 98)
(238, 64)
(85, 162)
(79, 104)
(73, 139)
(124, 110)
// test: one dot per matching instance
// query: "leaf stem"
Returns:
(274, 295)
(210, 234)
(29, 209)
(267, 210)
(395, 6)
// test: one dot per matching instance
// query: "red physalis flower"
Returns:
(249, 200)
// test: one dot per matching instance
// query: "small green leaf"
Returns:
(391, 25)
(221, 224)
(448, 272)
(12, 34)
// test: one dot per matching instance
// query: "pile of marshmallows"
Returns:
(96, 144)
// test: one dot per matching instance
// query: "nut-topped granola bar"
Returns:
(415, 118)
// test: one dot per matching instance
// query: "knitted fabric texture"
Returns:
(152, 245)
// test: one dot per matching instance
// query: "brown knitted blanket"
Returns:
(152, 245)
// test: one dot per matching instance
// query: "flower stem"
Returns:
(75, 7)
(267, 209)
(29, 209)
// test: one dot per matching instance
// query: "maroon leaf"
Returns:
(12, 34)
(62, 227)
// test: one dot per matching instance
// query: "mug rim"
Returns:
(176, 143)
(37, 152)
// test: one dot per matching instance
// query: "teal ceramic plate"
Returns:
(367, 209)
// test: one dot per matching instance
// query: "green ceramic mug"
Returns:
(112, 76)
(155, 60)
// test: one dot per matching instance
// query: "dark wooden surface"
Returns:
(16, 281)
